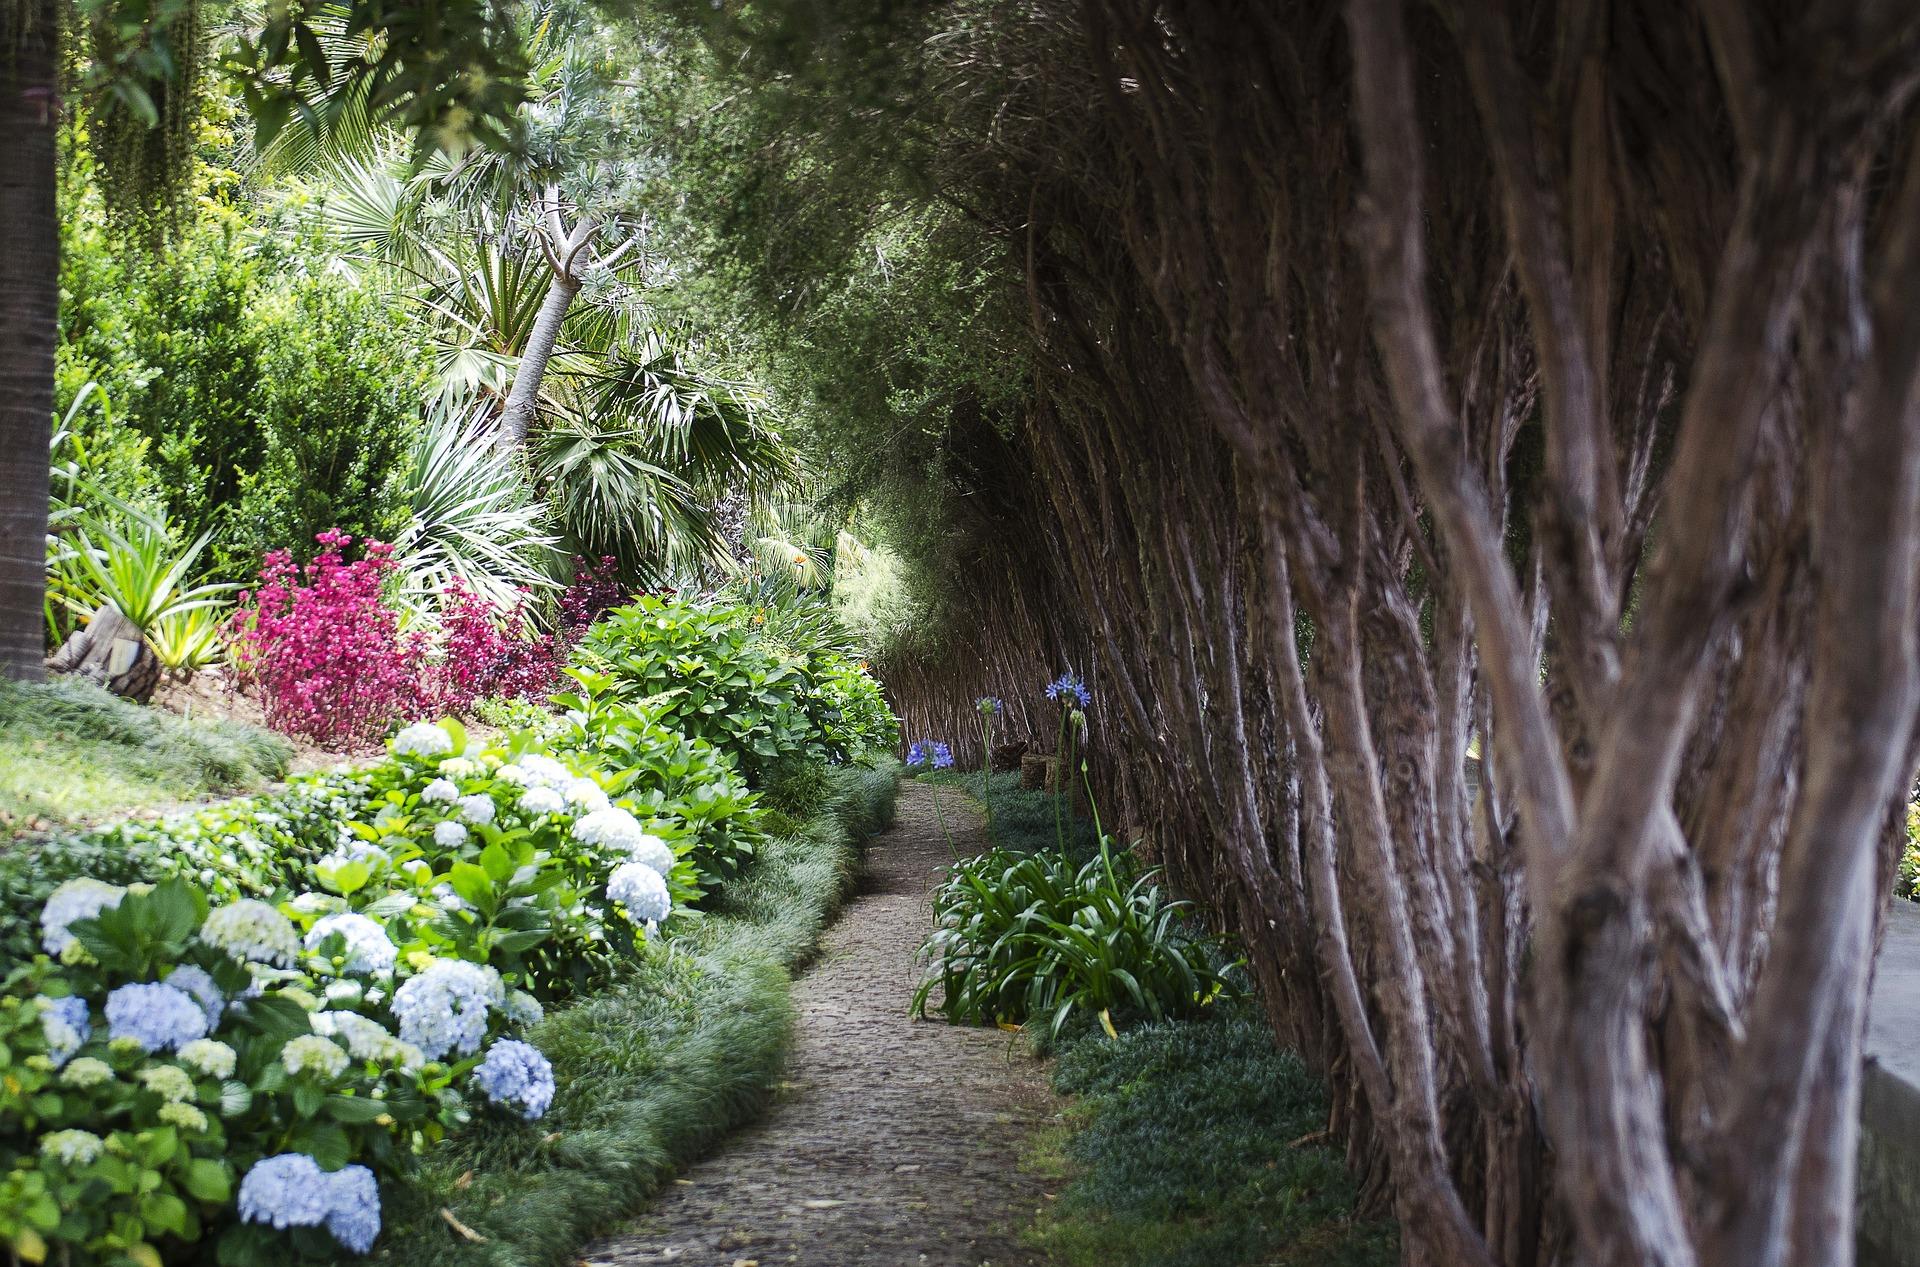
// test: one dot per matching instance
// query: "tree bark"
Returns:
(29, 315)
(523, 398)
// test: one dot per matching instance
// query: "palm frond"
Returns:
(474, 517)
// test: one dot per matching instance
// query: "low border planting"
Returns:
(313, 1022)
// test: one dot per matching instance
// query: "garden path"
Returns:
(893, 1143)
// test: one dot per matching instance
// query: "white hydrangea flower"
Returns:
(513, 773)
(477, 808)
(71, 1148)
(368, 1039)
(544, 771)
(313, 1053)
(355, 850)
(641, 890)
(587, 794)
(440, 790)
(211, 1057)
(542, 800)
(369, 949)
(185, 1116)
(169, 1082)
(449, 835)
(81, 898)
(611, 828)
(651, 851)
(90, 1071)
(449, 900)
(460, 767)
(251, 930)
(423, 739)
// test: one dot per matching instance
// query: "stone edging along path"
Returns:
(893, 1142)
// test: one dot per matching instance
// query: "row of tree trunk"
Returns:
(1475, 459)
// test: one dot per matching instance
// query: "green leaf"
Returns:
(354, 1110)
(472, 884)
(208, 1180)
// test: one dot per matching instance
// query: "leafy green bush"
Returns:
(1032, 937)
(501, 875)
(275, 400)
(1186, 1151)
(707, 672)
(74, 750)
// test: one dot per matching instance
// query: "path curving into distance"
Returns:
(893, 1142)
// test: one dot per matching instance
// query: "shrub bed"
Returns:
(274, 1028)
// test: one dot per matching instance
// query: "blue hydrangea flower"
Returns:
(77, 899)
(155, 1015)
(199, 985)
(1069, 689)
(67, 1025)
(445, 1008)
(287, 1190)
(368, 948)
(523, 1009)
(516, 1076)
(641, 890)
(353, 1214)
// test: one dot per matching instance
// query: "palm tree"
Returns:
(29, 309)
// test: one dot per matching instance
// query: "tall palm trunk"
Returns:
(29, 309)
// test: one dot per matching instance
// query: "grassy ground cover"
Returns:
(1183, 1149)
(684, 1048)
(70, 751)
(1183, 1146)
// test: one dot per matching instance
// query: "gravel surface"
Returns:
(893, 1143)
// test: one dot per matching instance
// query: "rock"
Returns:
(111, 651)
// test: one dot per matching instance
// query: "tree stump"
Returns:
(1007, 757)
(111, 651)
(1036, 771)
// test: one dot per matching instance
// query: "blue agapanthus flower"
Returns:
(942, 756)
(917, 753)
(67, 1026)
(990, 705)
(1069, 689)
(157, 1016)
(516, 1076)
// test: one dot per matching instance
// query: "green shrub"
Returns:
(707, 672)
(1187, 1151)
(74, 750)
(274, 400)
(1034, 938)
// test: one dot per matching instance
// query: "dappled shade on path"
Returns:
(893, 1141)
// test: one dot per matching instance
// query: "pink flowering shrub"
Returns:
(325, 651)
(324, 648)
(487, 650)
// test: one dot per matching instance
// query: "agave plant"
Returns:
(131, 559)
(473, 517)
(189, 639)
